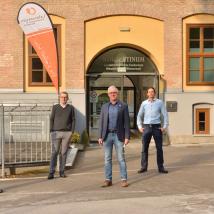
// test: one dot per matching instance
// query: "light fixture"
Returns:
(125, 29)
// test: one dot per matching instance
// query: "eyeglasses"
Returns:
(113, 92)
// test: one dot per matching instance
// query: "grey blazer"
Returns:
(123, 124)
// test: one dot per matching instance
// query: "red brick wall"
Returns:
(76, 12)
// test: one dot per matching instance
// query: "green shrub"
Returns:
(75, 138)
(85, 138)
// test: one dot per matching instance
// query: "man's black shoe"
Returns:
(141, 171)
(163, 171)
(50, 176)
(1, 191)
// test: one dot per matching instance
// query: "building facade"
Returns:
(167, 44)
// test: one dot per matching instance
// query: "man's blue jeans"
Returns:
(111, 140)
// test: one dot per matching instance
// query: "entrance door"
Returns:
(131, 71)
(98, 96)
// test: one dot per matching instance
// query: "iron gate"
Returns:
(24, 130)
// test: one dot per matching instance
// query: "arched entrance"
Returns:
(130, 70)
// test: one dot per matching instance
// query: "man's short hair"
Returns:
(112, 87)
(151, 88)
(64, 92)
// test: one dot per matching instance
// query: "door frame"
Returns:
(115, 75)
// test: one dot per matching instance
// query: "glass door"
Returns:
(98, 95)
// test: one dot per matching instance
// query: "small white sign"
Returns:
(121, 69)
(93, 97)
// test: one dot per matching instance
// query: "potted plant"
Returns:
(73, 149)
(75, 140)
(79, 141)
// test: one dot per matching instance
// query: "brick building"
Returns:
(168, 44)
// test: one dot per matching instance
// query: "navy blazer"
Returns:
(123, 124)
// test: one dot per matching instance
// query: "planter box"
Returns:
(79, 146)
(71, 156)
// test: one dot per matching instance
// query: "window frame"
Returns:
(207, 121)
(34, 55)
(201, 55)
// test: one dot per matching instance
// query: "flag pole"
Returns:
(57, 54)
(58, 73)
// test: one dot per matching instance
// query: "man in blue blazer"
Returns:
(114, 130)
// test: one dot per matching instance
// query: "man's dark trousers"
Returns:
(156, 132)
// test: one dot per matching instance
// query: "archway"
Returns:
(130, 70)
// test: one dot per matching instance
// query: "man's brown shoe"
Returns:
(107, 183)
(124, 183)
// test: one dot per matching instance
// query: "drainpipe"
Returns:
(2, 144)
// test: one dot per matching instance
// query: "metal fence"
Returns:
(24, 130)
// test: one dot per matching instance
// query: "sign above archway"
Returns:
(123, 60)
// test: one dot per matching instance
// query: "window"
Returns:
(38, 75)
(202, 121)
(200, 54)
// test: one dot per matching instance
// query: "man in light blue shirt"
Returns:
(149, 124)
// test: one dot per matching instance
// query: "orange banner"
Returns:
(38, 29)
(43, 45)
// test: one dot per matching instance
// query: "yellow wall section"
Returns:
(55, 20)
(195, 19)
(146, 33)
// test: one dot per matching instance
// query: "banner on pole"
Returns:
(37, 26)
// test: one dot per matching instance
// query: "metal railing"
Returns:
(24, 130)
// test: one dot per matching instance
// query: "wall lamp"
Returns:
(125, 29)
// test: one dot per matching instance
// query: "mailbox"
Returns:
(171, 106)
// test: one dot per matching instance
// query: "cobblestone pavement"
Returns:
(188, 188)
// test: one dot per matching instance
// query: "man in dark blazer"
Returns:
(114, 130)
